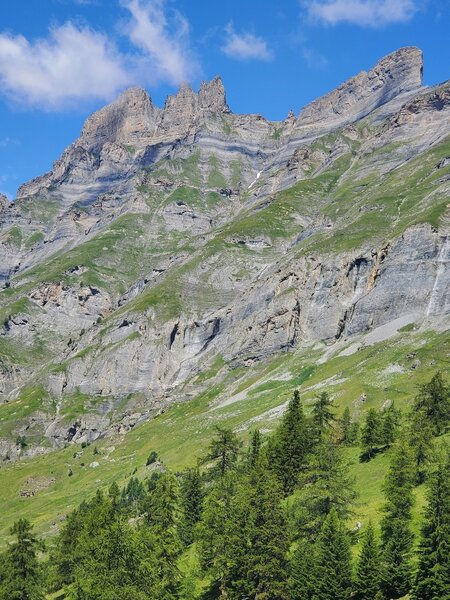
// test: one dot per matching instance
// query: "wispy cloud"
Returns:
(76, 64)
(166, 52)
(365, 13)
(314, 59)
(245, 46)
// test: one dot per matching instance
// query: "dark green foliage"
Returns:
(152, 458)
(421, 440)
(368, 574)
(290, 446)
(191, 496)
(132, 496)
(21, 574)
(390, 425)
(333, 573)
(303, 566)
(371, 434)
(223, 452)
(348, 429)
(255, 448)
(433, 573)
(397, 537)
(433, 401)
(327, 485)
(323, 416)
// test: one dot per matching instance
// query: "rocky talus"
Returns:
(166, 240)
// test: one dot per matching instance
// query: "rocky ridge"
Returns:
(165, 240)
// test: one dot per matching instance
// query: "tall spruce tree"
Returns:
(162, 518)
(302, 571)
(421, 440)
(22, 575)
(223, 452)
(290, 446)
(323, 416)
(433, 401)
(433, 574)
(191, 496)
(371, 433)
(267, 537)
(348, 428)
(255, 448)
(368, 574)
(333, 576)
(397, 537)
(328, 485)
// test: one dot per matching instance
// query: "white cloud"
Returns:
(77, 64)
(245, 46)
(72, 64)
(164, 46)
(366, 13)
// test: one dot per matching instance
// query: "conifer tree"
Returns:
(390, 423)
(397, 537)
(323, 416)
(223, 452)
(327, 485)
(433, 574)
(255, 448)
(421, 440)
(371, 434)
(433, 401)
(162, 517)
(348, 428)
(191, 497)
(368, 575)
(333, 578)
(302, 571)
(290, 447)
(267, 542)
(22, 576)
(216, 530)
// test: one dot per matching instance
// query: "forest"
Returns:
(268, 518)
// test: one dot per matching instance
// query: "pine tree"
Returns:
(217, 529)
(390, 424)
(433, 401)
(323, 417)
(290, 446)
(267, 544)
(421, 440)
(327, 485)
(371, 434)
(433, 573)
(162, 516)
(22, 577)
(348, 428)
(333, 578)
(397, 537)
(191, 497)
(368, 575)
(255, 448)
(303, 567)
(223, 452)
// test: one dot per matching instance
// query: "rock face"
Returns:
(394, 75)
(166, 240)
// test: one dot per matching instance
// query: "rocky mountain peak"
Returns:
(126, 120)
(212, 97)
(393, 75)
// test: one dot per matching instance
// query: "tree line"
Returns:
(266, 522)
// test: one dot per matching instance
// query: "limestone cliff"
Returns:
(169, 239)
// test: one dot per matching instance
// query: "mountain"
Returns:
(171, 251)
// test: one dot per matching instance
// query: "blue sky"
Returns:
(62, 59)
